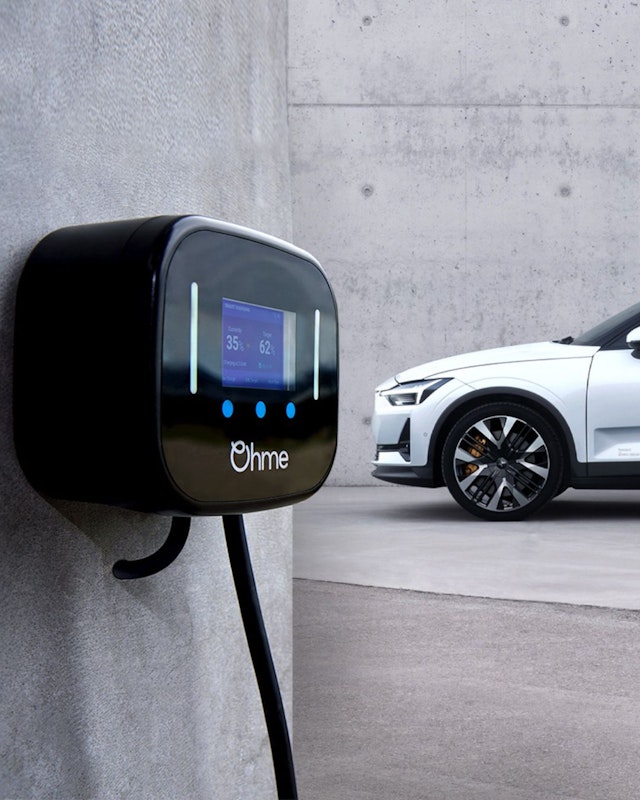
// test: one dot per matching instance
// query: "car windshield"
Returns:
(605, 330)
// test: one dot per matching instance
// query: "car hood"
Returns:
(537, 351)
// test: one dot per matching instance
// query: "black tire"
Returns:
(502, 461)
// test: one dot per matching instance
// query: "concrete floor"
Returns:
(583, 548)
(430, 689)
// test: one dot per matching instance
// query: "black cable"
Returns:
(165, 555)
(261, 656)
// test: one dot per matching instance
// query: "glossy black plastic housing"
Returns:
(119, 391)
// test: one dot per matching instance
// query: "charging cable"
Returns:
(261, 656)
(254, 629)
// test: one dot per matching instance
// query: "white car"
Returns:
(508, 429)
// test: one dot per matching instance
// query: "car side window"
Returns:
(619, 343)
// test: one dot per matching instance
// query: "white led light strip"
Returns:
(193, 339)
(316, 357)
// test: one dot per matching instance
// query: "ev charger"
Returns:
(176, 365)
(183, 366)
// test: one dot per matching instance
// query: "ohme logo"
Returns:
(244, 457)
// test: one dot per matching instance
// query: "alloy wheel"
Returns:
(503, 462)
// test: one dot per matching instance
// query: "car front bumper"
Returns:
(403, 436)
(406, 476)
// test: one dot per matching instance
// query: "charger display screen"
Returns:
(258, 346)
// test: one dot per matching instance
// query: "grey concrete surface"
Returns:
(416, 696)
(468, 175)
(453, 691)
(139, 689)
(583, 548)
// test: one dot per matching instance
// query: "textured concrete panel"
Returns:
(563, 52)
(139, 689)
(453, 229)
(468, 174)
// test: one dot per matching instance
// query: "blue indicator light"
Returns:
(291, 410)
(261, 409)
(227, 409)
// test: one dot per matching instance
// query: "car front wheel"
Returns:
(502, 461)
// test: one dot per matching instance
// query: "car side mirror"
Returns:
(633, 342)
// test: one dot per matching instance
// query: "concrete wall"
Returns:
(112, 109)
(468, 174)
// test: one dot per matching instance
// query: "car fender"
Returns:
(563, 398)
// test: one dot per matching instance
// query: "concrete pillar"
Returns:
(142, 689)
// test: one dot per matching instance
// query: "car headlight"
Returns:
(412, 394)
